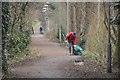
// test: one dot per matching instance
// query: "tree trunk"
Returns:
(5, 22)
(118, 48)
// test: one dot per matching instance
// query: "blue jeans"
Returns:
(71, 47)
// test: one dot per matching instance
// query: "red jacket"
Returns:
(71, 38)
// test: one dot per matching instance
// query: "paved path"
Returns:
(55, 63)
(48, 65)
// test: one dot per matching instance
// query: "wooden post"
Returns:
(1, 41)
(118, 45)
(109, 44)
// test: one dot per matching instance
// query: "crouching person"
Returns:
(71, 39)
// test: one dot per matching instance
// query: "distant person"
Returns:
(41, 30)
(32, 30)
(71, 39)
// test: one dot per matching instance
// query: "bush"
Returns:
(81, 40)
(17, 43)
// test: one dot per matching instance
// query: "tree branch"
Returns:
(105, 16)
(106, 23)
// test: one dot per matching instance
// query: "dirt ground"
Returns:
(46, 66)
(55, 63)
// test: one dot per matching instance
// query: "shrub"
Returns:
(17, 43)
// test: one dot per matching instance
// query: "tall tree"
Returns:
(5, 24)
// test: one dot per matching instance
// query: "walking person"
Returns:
(71, 39)
(41, 30)
(33, 30)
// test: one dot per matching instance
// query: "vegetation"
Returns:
(16, 31)
(88, 19)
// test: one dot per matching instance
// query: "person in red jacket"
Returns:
(71, 39)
